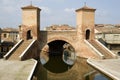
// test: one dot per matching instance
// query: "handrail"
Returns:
(33, 69)
(26, 49)
(89, 73)
(11, 50)
(101, 55)
(107, 49)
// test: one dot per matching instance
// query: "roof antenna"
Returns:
(84, 3)
(31, 2)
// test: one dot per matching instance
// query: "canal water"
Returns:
(80, 70)
(100, 77)
(61, 63)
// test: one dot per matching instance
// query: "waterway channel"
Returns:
(61, 63)
(79, 71)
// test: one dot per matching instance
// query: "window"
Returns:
(5, 35)
(4, 49)
(87, 34)
(29, 36)
(118, 53)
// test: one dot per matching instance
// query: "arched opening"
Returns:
(60, 56)
(87, 34)
(118, 53)
(29, 35)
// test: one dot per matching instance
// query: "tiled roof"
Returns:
(10, 30)
(30, 7)
(85, 8)
(60, 27)
(111, 30)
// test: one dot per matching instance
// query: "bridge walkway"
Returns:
(101, 49)
(15, 55)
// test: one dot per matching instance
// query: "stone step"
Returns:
(101, 49)
(15, 55)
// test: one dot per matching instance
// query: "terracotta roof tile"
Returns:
(30, 7)
(108, 30)
(85, 8)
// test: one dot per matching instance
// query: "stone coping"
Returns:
(109, 67)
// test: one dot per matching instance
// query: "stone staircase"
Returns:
(101, 49)
(15, 55)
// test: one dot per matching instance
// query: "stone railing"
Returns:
(13, 49)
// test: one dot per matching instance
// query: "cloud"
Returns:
(46, 10)
(8, 9)
(69, 9)
(103, 16)
(7, 2)
(102, 13)
(14, 6)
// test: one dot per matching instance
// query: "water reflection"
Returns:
(69, 57)
(58, 59)
(58, 64)
(100, 77)
(44, 58)
(77, 72)
(62, 59)
(69, 54)
(44, 55)
(43, 61)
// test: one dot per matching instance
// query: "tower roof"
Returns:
(30, 7)
(85, 8)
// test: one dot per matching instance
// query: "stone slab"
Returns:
(16, 70)
(109, 67)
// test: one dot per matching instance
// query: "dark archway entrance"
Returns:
(61, 56)
(87, 34)
(29, 35)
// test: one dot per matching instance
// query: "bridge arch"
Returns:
(63, 39)
(61, 53)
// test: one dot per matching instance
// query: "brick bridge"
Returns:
(82, 40)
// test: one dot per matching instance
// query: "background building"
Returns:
(60, 27)
(109, 35)
(10, 34)
(9, 37)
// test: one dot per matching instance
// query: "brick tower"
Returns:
(30, 27)
(85, 22)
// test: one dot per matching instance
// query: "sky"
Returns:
(58, 11)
